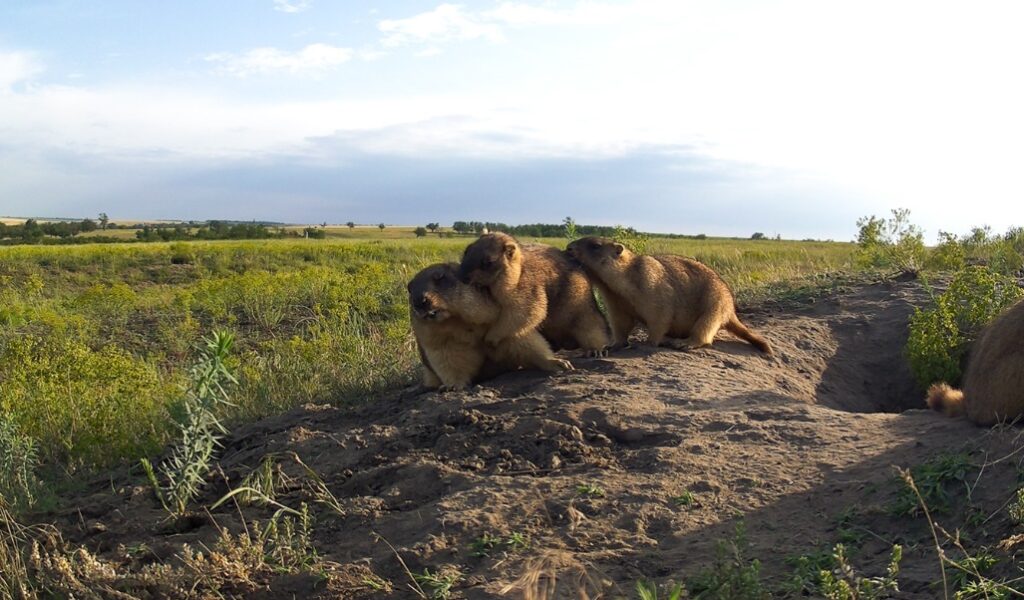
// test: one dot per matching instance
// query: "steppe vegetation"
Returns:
(111, 353)
(97, 339)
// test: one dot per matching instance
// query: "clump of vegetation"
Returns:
(1003, 254)
(632, 239)
(200, 427)
(646, 590)
(486, 544)
(438, 584)
(571, 233)
(941, 335)
(843, 583)
(733, 575)
(934, 480)
(19, 486)
(591, 490)
(893, 243)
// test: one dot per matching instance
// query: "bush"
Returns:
(1003, 254)
(940, 336)
(891, 243)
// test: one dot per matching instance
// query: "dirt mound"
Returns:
(630, 467)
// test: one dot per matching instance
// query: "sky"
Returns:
(722, 117)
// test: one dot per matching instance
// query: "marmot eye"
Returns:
(594, 245)
(488, 262)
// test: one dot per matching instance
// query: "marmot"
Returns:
(673, 296)
(450, 319)
(993, 386)
(538, 287)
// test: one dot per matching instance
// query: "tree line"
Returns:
(33, 232)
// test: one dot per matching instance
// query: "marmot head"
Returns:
(597, 252)
(429, 291)
(487, 258)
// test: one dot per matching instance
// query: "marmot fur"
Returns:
(993, 386)
(537, 287)
(450, 319)
(682, 302)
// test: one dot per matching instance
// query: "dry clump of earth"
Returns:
(635, 466)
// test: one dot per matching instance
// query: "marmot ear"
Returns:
(618, 249)
(510, 250)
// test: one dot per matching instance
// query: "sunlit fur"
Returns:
(450, 320)
(682, 302)
(538, 287)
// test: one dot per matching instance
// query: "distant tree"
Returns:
(461, 227)
(381, 225)
(104, 220)
(433, 227)
(420, 232)
(314, 233)
(324, 225)
(757, 236)
(700, 236)
(88, 225)
(350, 225)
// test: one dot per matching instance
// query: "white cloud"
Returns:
(584, 13)
(311, 59)
(17, 67)
(447, 22)
(452, 22)
(428, 52)
(291, 6)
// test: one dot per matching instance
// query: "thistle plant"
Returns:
(201, 431)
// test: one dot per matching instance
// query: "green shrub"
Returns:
(843, 583)
(200, 427)
(19, 486)
(84, 406)
(1003, 254)
(733, 576)
(891, 243)
(632, 239)
(940, 336)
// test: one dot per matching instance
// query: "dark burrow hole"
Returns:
(869, 371)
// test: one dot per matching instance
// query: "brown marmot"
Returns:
(538, 287)
(450, 319)
(993, 386)
(674, 297)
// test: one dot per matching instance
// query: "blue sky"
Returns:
(717, 117)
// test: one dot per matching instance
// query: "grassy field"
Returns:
(95, 341)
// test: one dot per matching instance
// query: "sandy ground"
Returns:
(799, 446)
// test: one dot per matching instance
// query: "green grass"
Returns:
(95, 340)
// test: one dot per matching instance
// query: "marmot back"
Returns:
(682, 302)
(538, 287)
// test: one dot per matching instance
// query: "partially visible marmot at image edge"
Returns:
(993, 386)
(682, 302)
(450, 320)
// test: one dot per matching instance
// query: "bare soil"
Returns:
(799, 446)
